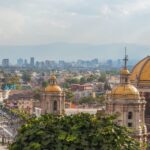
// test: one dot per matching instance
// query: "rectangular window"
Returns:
(130, 115)
(129, 124)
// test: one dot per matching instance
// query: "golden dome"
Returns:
(53, 88)
(125, 92)
(53, 77)
(140, 74)
(124, 71)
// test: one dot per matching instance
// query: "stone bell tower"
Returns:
(53, 98)
(126, 101)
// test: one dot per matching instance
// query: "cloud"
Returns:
(11, 25)
(82, 21)
(134, 7)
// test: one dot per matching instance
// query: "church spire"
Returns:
(125, 59)
(124, 73)
(53, 79)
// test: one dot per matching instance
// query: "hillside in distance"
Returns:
(69, 52)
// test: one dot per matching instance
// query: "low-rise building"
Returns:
(26, 106)
(23, 105)
(80, 91)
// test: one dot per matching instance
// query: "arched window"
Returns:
(130, 115)
(126, 80)
(55, 106)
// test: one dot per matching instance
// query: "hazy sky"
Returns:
(77, 21)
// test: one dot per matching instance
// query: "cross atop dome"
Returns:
(53, 78)
(125, 59)
(124, 73)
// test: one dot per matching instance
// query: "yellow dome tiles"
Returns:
(141, 72)
(125, 92)
(145, 74)
(53, 87)
(124, 71)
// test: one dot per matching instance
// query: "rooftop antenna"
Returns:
(125, 59)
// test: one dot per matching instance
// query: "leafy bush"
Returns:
(75, 132)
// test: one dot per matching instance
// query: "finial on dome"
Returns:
(53, 79)
(125, 59)
(124, 73)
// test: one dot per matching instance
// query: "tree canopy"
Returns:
(102, 77)
(91, 100)
(26, 77)
(75, 132)
(69, 95)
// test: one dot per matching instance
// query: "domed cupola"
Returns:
(140, 74)
(53, 87)
(125, 90)
(125, 101)
(53, 98)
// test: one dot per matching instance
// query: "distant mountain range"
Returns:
(66, 51)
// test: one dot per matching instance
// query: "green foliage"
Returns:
(70, 81)
(37, 94)
(45, 84)
(92, 78)
(23, 116)
(66, 85)
(14, 79)
(26, 77)
(91, 100)
(102, 78)
(11, 79)
(75, 132)
(69, 95)
(73, 81)
(83, 80)
(113, 72)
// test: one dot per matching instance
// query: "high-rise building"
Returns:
(95, 61)
(109, 62)
(37, 64)
(20, 62)
(5, 62)
(119, 63)
(25, 63)
(32, 61)
(47, 63)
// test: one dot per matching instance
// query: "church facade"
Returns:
(125, 100)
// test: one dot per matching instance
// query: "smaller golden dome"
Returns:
(53, 77)
(125, 92)
(124, 71)
(53, 88)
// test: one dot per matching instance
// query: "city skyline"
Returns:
(73, 52)
(74, 29)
